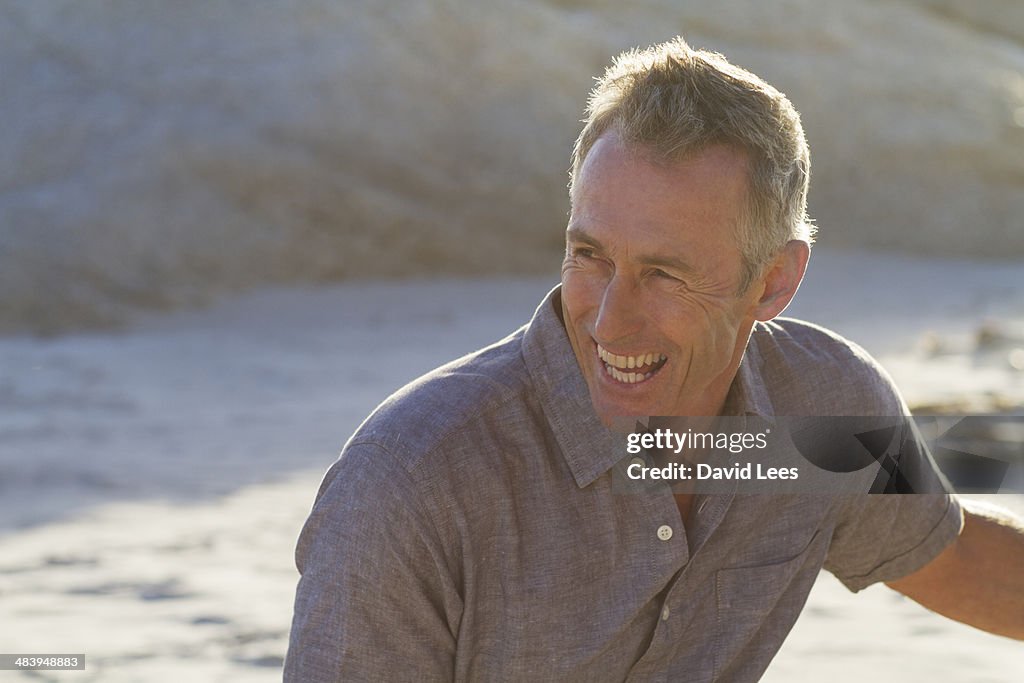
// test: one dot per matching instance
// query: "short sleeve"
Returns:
(906, 514)
(375, 600)
(882, 537)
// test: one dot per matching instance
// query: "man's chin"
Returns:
(619, 418)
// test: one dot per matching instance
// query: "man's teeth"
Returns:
(628, 362)
(627, 377)
(615, 365)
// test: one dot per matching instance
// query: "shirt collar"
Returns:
(590, 448)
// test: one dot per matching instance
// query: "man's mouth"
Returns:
(631, 369)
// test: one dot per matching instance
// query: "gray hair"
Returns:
(673, 101)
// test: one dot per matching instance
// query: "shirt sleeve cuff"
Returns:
(945, 531)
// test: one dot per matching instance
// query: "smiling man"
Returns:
(659, 301)
(471, 530)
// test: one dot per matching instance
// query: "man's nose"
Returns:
(620, 314)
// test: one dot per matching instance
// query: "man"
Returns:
(471, 531)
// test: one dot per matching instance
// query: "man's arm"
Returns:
(979, 578)
(376, 600)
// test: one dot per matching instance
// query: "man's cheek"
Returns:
(723, 325)
(711, 351)
(578, 290)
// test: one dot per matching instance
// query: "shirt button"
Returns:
(664, 532)
(664, 613)
(638, 461)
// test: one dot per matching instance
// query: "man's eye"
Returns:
(658, 272)
(581, 252)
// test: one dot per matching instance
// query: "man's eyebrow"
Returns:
(669, 262)
(577, 234)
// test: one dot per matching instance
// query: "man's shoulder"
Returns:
(803, 341)
(445, 402)
(809, 366)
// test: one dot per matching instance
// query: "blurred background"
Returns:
(228, 229)
(160, 155)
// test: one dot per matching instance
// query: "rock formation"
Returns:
(158, 154)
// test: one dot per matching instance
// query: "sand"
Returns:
(153, 480)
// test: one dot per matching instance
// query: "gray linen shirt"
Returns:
(470, 530)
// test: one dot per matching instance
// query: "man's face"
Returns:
(650, 280)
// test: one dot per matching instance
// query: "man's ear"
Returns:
(782, 279)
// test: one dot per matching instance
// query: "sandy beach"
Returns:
(153, 480)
